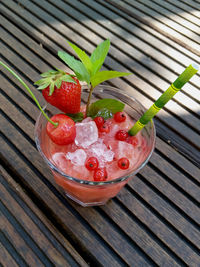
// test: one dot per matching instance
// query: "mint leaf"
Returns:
(111, 105)
(77, 117)
(83, 57)
(76, 65)
(105, 113)
(98, 56)
(102, 76)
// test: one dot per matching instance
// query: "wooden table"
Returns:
(154, 220)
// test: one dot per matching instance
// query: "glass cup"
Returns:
(89, 193)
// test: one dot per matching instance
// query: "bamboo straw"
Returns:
(164, 98)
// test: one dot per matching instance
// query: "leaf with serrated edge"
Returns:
(112, 105)
(77, 66)
(83, 56)
(99, 54)
(102, 76)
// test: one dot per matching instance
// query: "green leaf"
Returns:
(105, 113)
(102, 76)
(98, 55)
(43, 86)
(48, 73)
(39, 82)
(76, 65)
(77, 117)
(83, 56)
(51, 89)
(111, 105)
(68, 78)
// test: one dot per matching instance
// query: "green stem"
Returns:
(30, 92)
(89, 99)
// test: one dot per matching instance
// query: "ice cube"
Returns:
(101, 152)
(86, 134)
(78, 157)
(60, 160)
(87, 120)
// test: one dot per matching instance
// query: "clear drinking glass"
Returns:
(88, 193)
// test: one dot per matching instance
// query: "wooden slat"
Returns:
(152, 17)
(175, 8)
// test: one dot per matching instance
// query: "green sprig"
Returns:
(88, 69)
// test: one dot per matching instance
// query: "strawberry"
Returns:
(61, 90)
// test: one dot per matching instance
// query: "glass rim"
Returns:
(94, 183)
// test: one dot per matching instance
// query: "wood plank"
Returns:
(192, 13)
(152, 17)
(177, 9)
(188, 50)
(165, 234)
(6, 258)
(166, 210)
(53, 250)
(19, 244)
(172, 20)
(177, 197)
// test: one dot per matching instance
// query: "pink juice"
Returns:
(91, 142)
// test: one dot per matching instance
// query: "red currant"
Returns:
(99, 121)
(132, 140)
(121, 135)
(100, 175)
(105, 128)
(119, 116)
(123, 163)
(92, 163)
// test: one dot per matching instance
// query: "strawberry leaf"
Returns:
(98, 56)
(102, 76)
(83, 57)
(77, 117)
(76, 65)
(111, 105)
(43, 86)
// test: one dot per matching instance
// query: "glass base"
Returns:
(83, 204)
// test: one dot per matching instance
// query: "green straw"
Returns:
(164, 98)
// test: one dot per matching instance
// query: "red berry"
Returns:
(105, 128)
(119, 116)
(64, 133)
(92, 163)
(99, 121)
(132, 140)
(100, 175)
(67, 97)
(123, 163)
(121, 135)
